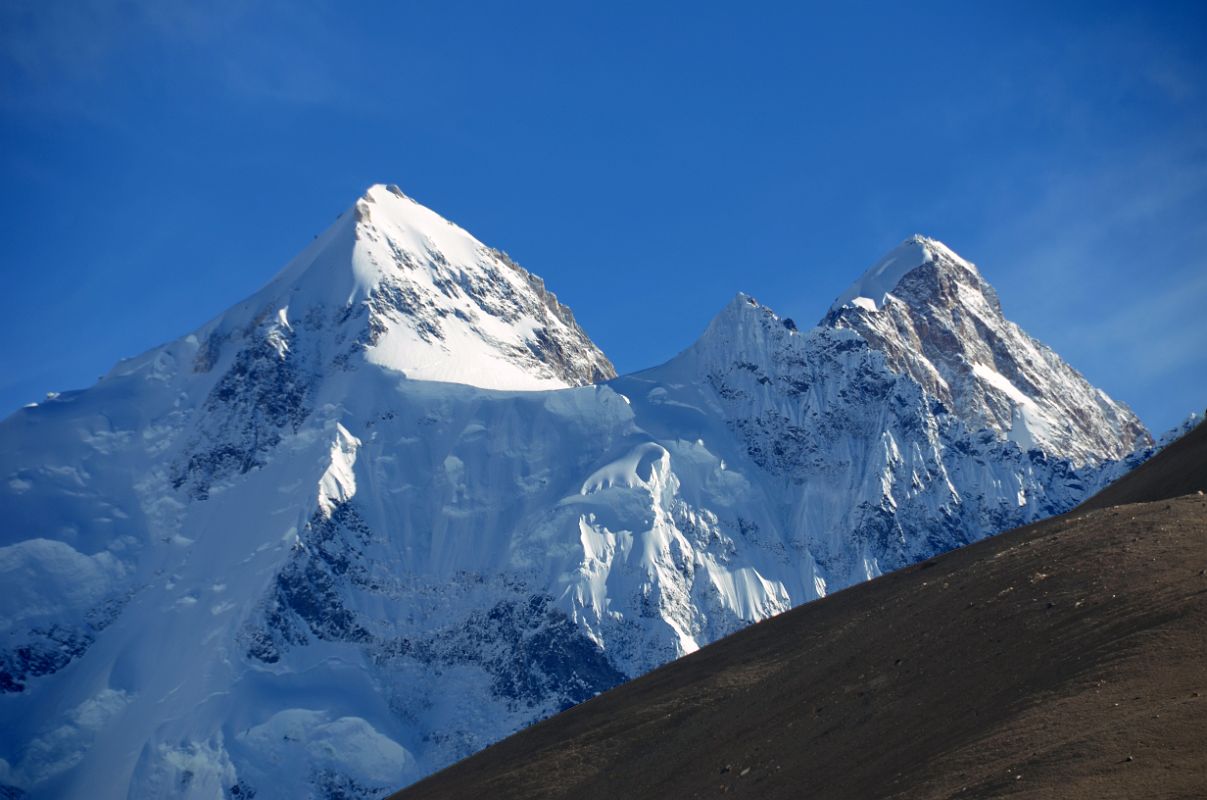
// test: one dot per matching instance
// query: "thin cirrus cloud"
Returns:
(1109, 267)
(55, 52)
(55, 39)
(1163, 333)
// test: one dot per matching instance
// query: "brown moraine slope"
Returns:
(1066, 659)
(1177, 470)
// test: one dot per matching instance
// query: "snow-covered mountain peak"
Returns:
(872, 289)
(744, 310)
(394, 283)
(744, 313)
(743, 332)
(938, 320)
(387, 209)
(257, 562)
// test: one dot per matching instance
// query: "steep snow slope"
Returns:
(869, 472)
(413, 292)
(266, 559)
(937, 320)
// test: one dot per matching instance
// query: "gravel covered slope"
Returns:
(1182, 469)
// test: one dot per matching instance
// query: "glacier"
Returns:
(397, 505)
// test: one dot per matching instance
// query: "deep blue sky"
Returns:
(159, 161)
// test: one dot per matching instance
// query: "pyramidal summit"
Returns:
(395, 284)
(936, 319)
(397, 505)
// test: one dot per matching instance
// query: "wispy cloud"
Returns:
(1109, 266)
(46, 40)
(1160, 334)
(1098, 242)
(55, 52)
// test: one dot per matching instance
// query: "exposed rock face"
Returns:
(876, 473)
(936, 319)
